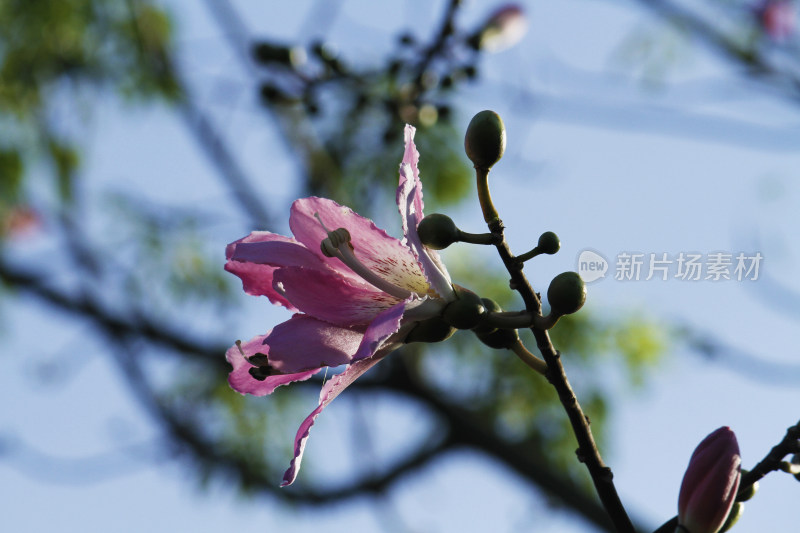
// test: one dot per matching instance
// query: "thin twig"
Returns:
(587, 451)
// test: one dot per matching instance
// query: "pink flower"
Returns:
(504, 28)
(710, 483)
(19, 221)
(777, 18)
(356, 290)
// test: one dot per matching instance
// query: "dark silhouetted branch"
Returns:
(129, 327)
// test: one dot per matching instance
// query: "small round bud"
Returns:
(499, 338)
(437, 231)
(485, 141)
(504, 28)
(466, 312)
(749, 492)
(407, 39)
(733, 516)
(567, 293)
(549, 243)
(267, 53)
(491, 307)
(431, 330)
(270, 93)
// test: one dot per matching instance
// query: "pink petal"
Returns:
(409, 202)
(387, 323)
(379, 252)
(304, 343)
(372, 350)
(256, 278)
(330, 297)
(277, 254)
(242, 381)
(409, 192)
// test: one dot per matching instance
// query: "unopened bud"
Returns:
(777, 18)
(267, 53)
(566, 294)
(549, 243)
(733, 517)
(502, 30)
(466, 311)
(710, 484)
(485, 140)
(437, 231)
(499, 338)
(491, 307)
(796, 461)
(748, 492)
(431, 330)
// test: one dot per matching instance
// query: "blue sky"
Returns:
(585, 148)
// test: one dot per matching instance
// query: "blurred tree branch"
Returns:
(417, 84)
(466, 428)
(751, 55)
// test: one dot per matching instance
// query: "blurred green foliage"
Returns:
(48, 44)
(55, 56)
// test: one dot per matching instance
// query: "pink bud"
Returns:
(503, 29)
(710, 483)
(777, 18)
(19, 222)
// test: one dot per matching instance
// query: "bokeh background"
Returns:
(138, 138)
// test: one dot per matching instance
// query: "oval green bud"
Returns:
(748, 493)
(499, 338)
(733, 516)
(491, 307)
(567, 293)
(466, 312)
(549, 243)
(267, 53)
(485, 140)
(437, 231)
(431, 330)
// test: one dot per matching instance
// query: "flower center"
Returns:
(338, 244)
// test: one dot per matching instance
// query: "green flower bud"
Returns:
(549, 243)
(567, 293)
(485, 141)
(499, 338)
(733, 516)
(491, 307)
(466, 312)
(748, 493)
(796, 461)
(431, 330)
(437, 231)
(267, 53)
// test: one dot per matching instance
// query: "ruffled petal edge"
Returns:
(373, 349)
